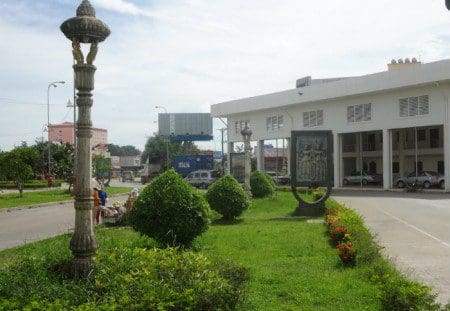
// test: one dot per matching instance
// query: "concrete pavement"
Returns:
(22, 226)
(413, 229)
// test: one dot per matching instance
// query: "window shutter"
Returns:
(350, 114)
(358, 113)
(305, 119)
(424, 107)
(367, 112)
(413, 105)
(312, 119)
(268, 123)
(319, 117)
(280, 122)
(403, 107)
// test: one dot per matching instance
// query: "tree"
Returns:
(101, 169)
(16, 165)
(156, 146)
(121, 151)
(62, 159)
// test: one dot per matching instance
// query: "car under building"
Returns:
(390, 124)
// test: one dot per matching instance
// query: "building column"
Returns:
(359, 165)
(447, 147)
(401, 157)
(337, 159)
(260, 156)
(387, 159)
(288, 156)
(230, 150)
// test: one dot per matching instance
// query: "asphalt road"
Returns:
(413, 229)
(18, 227)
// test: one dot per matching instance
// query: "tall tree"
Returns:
(156, 146)
(16, 165)
(121, 151)
(101, 169)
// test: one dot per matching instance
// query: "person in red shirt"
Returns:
(49, 181)
(96, 209)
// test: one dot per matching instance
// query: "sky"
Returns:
(188, 55)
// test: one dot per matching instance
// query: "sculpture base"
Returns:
(314, 210)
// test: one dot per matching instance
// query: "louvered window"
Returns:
(313, 118)
(359, 113)
(274, 123)
(423, 105)
(404, 107)
(414, 106)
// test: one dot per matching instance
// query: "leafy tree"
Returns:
(101, 169)
(62, 159)
(121, 151)
(16, 165)
(156, 146)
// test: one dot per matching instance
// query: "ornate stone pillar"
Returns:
(84, 28)
(246, 134)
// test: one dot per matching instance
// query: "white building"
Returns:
(376, 119)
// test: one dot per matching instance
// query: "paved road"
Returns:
(414, 230)
(29, 225)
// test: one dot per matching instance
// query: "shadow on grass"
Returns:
(226, 222)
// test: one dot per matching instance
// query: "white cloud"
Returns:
(187, 55)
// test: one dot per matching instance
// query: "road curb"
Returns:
(19, 208)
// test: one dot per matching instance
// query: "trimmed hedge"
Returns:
(30, 185)
(397, 292)
(227, 197)
(261, 185)
(125, 279)
(170, 211)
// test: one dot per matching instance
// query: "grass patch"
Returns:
(49, 196)
(290, 262)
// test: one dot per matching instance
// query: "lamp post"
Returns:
(84, 28)
(70, 105)
(167, 142)
(55, 85)
(246, 135)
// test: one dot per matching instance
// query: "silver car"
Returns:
(364, 178)
(203, 178)
(427, 179)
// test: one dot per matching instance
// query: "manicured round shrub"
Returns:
(261, 185)
(227, 197)
(170, 211)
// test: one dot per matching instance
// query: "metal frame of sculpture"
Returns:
(312, 167)
(84, 28)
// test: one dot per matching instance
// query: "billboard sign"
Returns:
(237, 165)
(312, 158)
(186, 126)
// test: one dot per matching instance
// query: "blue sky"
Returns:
(187, 55)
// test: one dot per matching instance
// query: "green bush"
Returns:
(170, 211)
(227, 197)
(125, 279)
(34, 184)
(261, 185)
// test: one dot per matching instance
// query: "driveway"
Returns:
(413, 229)
(22, 226)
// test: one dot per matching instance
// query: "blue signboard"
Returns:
(187, 164)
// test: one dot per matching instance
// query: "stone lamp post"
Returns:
(246, 135)
(84, 28)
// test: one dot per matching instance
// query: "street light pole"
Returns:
(85, 28)
(54, 84)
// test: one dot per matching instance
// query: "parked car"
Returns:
(426, 179)
(127, 176)
(202, 178)
(358, 177)
(279, 180)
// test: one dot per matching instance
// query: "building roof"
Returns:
(409, 76)
(70, 124)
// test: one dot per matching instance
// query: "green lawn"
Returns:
(292, 265)
(39, 197)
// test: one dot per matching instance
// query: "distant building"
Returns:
(63, 133)
(130, 162)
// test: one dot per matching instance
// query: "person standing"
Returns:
(96, 210)
(103, 196)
